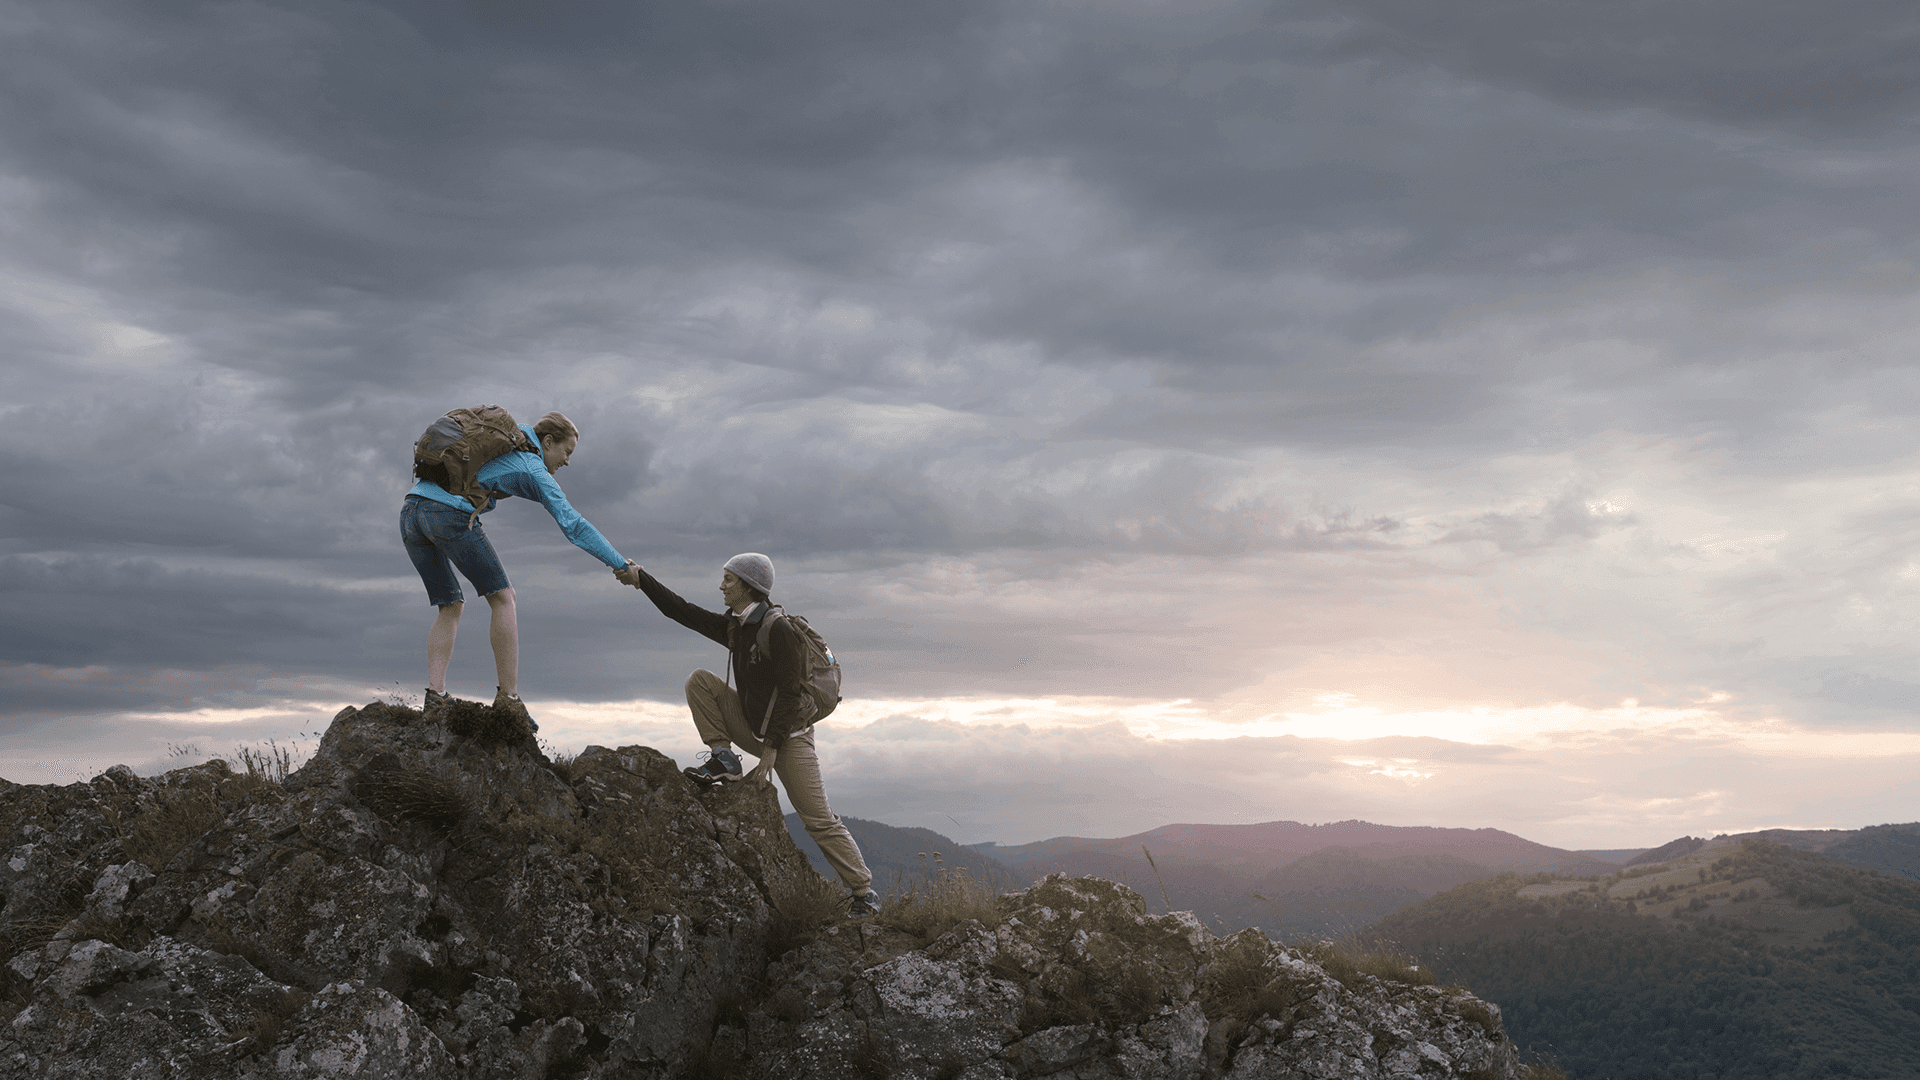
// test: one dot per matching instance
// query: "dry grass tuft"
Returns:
(31, 932)
(254, 769)
(559, 762)
(937, 900)
(809, 903)
(402, 705)
(1477, 1011)
(1129, 995)
(409, 791)
(485, 724)
(1165, 900)
(1238, 984)
(1350, 959)
(157, 835)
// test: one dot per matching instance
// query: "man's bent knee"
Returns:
(703, 680)
(820, 821)
(500, 597)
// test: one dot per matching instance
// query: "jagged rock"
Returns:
(448, 908)
(416, 904)
(1078, 981)
(166, 1010)
(350, 1030)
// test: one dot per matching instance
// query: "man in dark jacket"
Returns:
(770, 715)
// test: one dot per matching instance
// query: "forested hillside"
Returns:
(1762, 962)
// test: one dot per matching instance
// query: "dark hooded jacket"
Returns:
(756, 675)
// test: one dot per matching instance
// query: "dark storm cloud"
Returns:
(1143, 182)
(300, 152)
(1832, 70)
(346, 155)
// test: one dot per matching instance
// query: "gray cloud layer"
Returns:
(1505, 352)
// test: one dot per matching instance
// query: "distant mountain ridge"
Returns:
(1264, 846)
(1288, 877)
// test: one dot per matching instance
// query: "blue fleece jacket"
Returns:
(526, 475)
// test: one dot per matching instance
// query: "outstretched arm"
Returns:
(710, 624)
(530, 480)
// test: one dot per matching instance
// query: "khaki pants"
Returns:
(717, 716)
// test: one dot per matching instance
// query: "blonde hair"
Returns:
(555, 425)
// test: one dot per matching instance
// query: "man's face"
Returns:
(734, 591)
(555, 452)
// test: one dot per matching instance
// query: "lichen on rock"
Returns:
(415, 903)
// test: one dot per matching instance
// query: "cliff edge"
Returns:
(418, 903)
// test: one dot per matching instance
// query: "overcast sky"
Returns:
(1489, 413)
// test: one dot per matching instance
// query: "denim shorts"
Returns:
(438, 538)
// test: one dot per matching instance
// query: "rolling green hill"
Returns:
(1893, 848)
(1756, 961)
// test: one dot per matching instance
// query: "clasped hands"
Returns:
(629, 574)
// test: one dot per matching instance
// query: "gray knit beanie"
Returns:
(753, 568)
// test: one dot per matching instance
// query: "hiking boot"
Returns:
(434, 703)
(722, 765)
(512, 704)
(863, 905)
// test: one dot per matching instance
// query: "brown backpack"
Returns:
(453, 449)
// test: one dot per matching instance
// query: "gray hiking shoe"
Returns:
(863, 905)
(513, 704)
(434, 703)
(722, 765)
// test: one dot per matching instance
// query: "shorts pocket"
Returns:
(449, 526)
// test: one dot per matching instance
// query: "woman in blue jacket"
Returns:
(442, 532)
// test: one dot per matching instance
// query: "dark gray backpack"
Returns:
(820, 672)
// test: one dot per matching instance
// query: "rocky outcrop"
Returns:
(417, 903)
(1077, 981)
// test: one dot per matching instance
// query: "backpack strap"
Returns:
(733, 626)
(767, 720)
(766, 627)
(761, 641)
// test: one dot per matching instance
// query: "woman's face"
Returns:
(555, 452)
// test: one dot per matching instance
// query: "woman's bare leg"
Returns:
(504, 633)
(446, 626)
